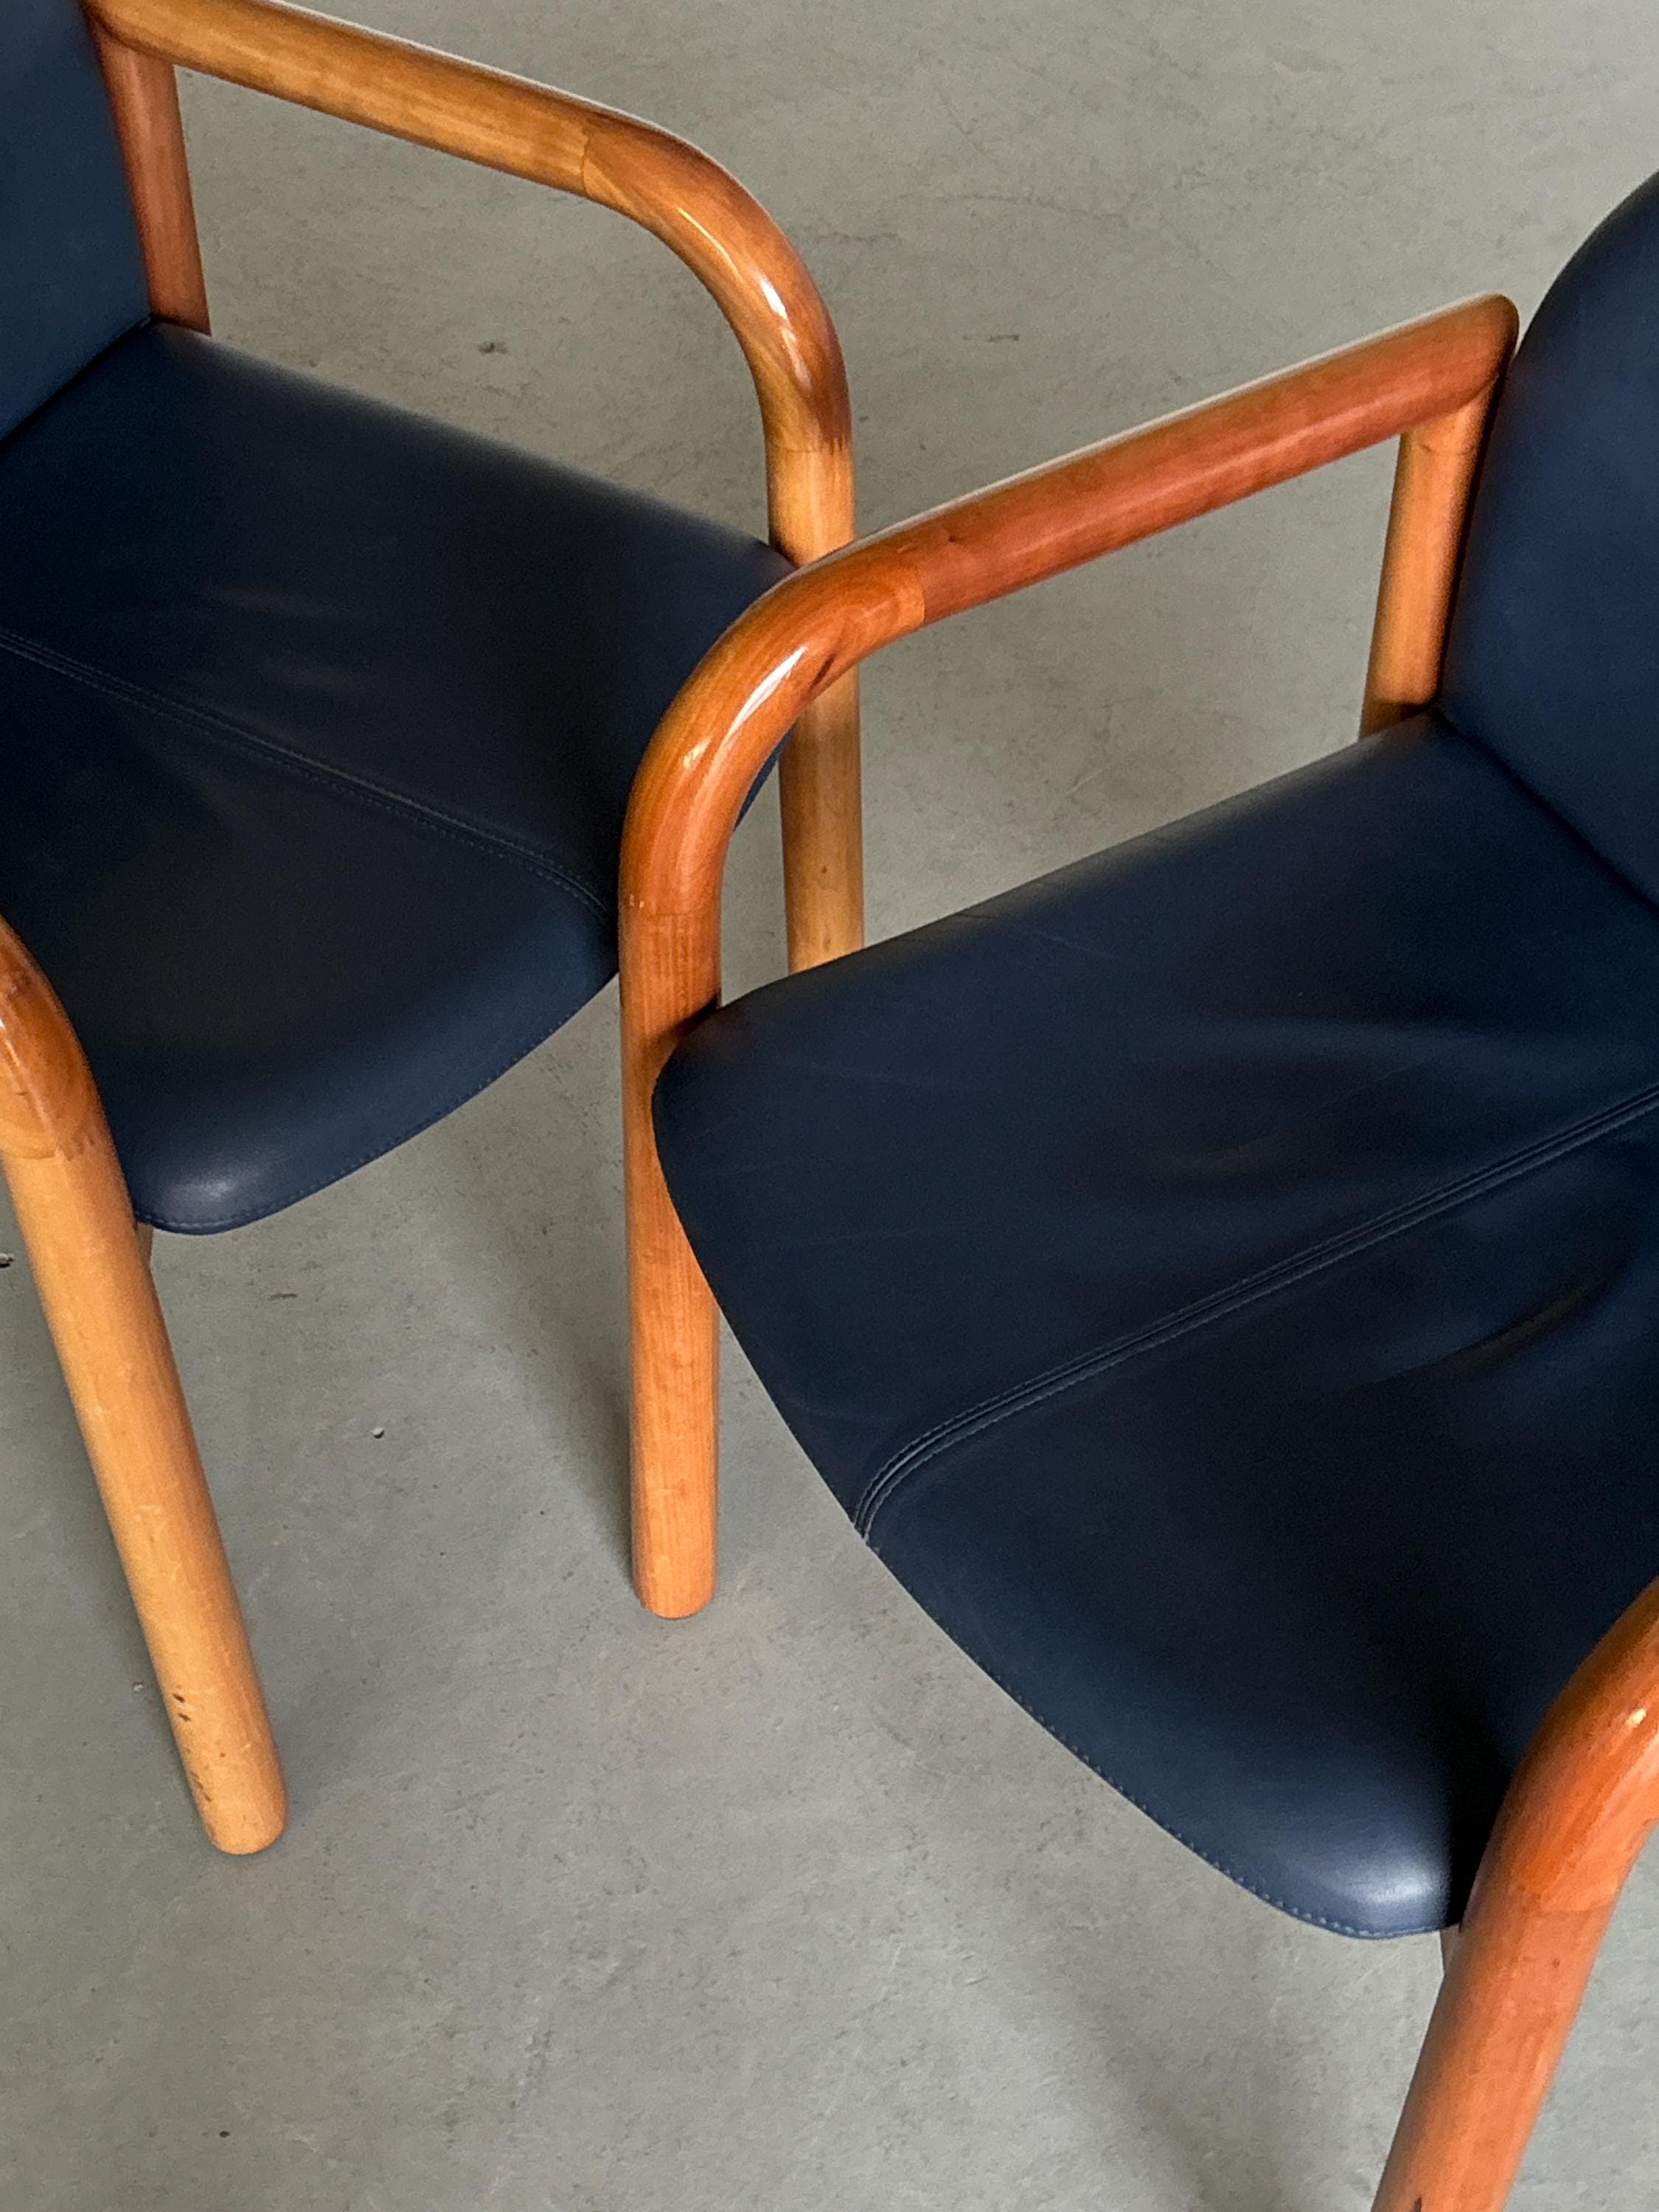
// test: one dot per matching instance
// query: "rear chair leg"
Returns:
(94, 1285)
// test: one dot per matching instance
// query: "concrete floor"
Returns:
(786, 1908)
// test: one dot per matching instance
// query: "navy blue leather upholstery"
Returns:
(1220, 1280)
(1553, 657)
(71, 275)
(317, 722)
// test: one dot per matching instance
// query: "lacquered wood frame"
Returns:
(92, 1272)
(1587, 1797)
(143, 92)
(1429, 383)
(695, 207)
(55, 1149)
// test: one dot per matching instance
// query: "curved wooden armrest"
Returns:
(1429, 383)
(717, 229)
(1439, 372)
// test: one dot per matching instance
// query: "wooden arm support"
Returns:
(716, 228)
(1431, 381)
(507, 123)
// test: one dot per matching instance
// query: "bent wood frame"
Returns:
(1429, 383)
(698, 209)
(72, 1206)
(1587, 1796)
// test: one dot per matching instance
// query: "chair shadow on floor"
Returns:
(1234, 2060)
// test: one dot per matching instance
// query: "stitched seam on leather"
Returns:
(203, 723)
(1249, 1289)
(1130, 1797)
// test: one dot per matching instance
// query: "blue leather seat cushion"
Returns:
(319, 721)
(1219, 1280)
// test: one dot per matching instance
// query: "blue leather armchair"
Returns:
(320, 720)
(1220, 1279)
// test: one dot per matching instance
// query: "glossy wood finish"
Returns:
(1574, 1822)
(1588, 1796)
(143, 93)
(94, 1284)
(1433, 482)
(821, 800)
(721, 233)
(803, 638)
(729, 242)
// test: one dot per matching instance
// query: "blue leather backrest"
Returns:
(71, 278)
(1552, 660)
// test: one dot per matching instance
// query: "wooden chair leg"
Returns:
(1513, 1983)
(99, 1300)
(675, 1378)
(1574, 1822)
(674, 1323)
(676, 1390)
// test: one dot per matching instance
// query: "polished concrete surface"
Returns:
(785, 1908)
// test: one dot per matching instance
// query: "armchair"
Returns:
(319, 721)
(1219, 1279)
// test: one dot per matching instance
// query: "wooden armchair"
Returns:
(319, 721)
(1219, 1279)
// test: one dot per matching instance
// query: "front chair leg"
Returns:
(676, 1375)
(94, 1284)
(675, 1369)
(1571, 1827)
(1512, 1989)
(674, 1323)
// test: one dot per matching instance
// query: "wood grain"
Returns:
(763, 288)
(99, 1301)
(794, 648)
(1433, 480)
(1572, 1825)
(1587, 1798)
(673, 1324)
(143, 93)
